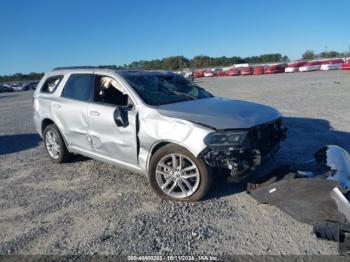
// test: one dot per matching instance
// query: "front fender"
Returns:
(156, 128)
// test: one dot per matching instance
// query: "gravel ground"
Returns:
(89, 207)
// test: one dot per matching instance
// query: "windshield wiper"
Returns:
(185, 94)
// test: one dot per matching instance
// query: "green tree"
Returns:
(329, 54)
(308, 55)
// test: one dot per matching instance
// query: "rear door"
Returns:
(108, 139)
(70, 110)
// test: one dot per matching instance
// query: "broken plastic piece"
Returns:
(342, 203)
(314, 195)
(331, 230)
(338, 160)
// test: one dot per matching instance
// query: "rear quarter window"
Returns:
(51, 84)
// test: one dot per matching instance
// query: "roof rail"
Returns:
(75, 67)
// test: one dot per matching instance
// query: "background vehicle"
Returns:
(221, 73)
(332, 64)
(233, 72)
(198, 74)
(275, 69)
(311, 66)
(246, 71)
(4, 88)
(155, 123)
(29, 85)
(18, 87)
(346, 65)
(259, 70)
(294, 67)
(208, 73)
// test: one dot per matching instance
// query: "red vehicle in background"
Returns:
(221, 73)
(246, 71)
(197, 74)
(233, 72)
(346, 65)
(294, 67)
(275, 69)
(259, 70)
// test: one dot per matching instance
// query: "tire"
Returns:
(64, 154)
(197, 175)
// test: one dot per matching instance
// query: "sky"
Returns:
(38, 35)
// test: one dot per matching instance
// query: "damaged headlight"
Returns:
(227, 138)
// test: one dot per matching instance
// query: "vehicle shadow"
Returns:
(16, 143)
(305, 137)
(78, 158)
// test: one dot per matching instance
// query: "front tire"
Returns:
(54, 145)
(176, 174)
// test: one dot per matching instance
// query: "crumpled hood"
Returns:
(221, 113)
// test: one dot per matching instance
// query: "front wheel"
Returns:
(177, 175)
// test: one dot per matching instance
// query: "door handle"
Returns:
(94, 113)
(58, 106)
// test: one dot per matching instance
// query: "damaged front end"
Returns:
(318, 194)
(241, 151)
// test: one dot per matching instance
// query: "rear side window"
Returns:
(51, 84)
(78, 87)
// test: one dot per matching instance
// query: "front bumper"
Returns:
(261, 143)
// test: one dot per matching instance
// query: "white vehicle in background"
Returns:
(17, 87)
(334, 64)
(189, 75)
(241, 65)
(186, 73)
(208, 73)
(311, 66)
(294, 67)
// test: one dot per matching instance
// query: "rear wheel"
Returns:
(177, 175)
(54, 144)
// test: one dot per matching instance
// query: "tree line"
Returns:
(201, 61)
(18, 77)
(310, 55)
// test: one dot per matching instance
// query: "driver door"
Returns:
(108, 139)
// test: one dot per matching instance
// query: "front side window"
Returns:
(109, 91)
(78, 87)
(158, 88)
(51, 84)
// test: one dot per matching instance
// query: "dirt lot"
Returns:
(89, 207)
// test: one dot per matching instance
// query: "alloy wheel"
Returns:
(177, 176)
(52, 144)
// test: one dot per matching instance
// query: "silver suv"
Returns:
(153, 122)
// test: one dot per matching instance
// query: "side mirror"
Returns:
(121, 116)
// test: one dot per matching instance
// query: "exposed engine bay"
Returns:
(318, 194)
(259, 143)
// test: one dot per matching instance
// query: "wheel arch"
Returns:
(160, 144)
(46, 122)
